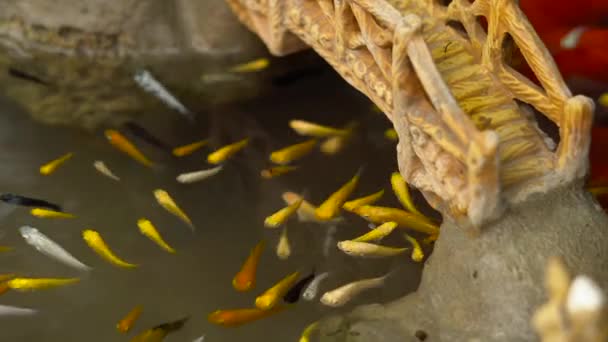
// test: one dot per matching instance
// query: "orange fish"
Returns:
(122, 143)
(236, 317)
(127, 322)
(244, 280)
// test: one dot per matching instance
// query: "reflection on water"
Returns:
(228, 211)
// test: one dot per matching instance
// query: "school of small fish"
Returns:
(285, 292)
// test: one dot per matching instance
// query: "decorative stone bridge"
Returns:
(467, 136)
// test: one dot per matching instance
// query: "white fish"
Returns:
(7, 310)
(343, 294)
(200, 339)
(313, 288)
(329, 239)
(150, 85)
(370, 250)
(570, 40)
(196, 176)
(50, 248)
(104, 170)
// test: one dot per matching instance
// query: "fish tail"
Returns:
(360, 170)
(190, 224)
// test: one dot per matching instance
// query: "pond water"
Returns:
(228, 211)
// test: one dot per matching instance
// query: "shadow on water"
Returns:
(228, 211)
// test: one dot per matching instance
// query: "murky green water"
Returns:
(228, 211)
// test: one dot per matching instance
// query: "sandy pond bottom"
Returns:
(227, 210)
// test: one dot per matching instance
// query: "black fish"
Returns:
(159, 332)
(172, 326)
(294, 293)
(296, 75)
(24, 76)
(142, 133)
(28, 202)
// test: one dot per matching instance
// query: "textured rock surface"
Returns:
(476, 289)
(87, 51)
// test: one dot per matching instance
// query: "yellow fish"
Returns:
(367, 200)
(315, 130)
(391, 134)
(282, 215)
(147, 228)
(335, 144)
(331, 207)
(308, 331)
(122, 143)
(237, 317)
(30, 284)
(94, 240)
(253, 66)
(159, 332)
(273, 295)
(244, 280)
(332, 145)
(417, 253)
(165, 201)
(283, 248)
(128, 321)
(293, 152)
(430, 239)
(51, 166)
(277, 171)
(403, 218)
(188, 149)
(366, 249)
(377, 233)
(220, 155)
(46, 213)
(306, 211)
(603, 100)
(403, 195)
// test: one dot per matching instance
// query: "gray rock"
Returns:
(486, 288)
